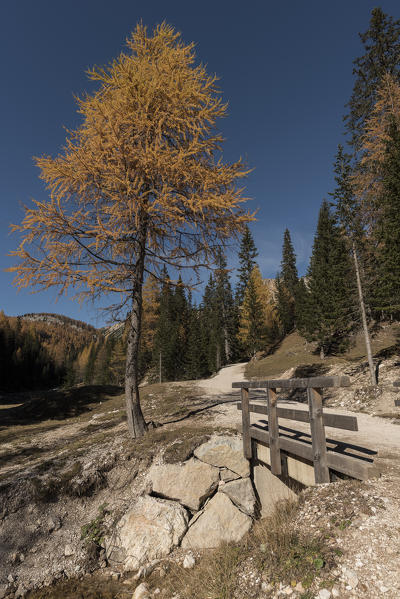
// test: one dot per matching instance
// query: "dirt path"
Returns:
(222, 381)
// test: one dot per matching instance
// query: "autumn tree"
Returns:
(381, 44)
(257, 322)
(139, 184)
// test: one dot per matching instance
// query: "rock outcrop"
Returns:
(224, 452)
(190, 483)
(149, 531)
(220, 522)
(241, 493)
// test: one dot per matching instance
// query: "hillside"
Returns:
(66, 453)
(37, 350)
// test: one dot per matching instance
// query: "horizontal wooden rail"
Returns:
(348, 423)
(310, 383)
(351, 466)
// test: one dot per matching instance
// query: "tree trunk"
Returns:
(364, 318)
(136, 422)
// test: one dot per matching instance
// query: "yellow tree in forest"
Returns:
(258, 322)
(367, 179)
(139, 185)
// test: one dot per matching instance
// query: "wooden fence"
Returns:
(317, 452)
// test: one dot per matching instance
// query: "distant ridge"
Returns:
(58, 319)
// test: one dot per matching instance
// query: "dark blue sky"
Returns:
(285, 69)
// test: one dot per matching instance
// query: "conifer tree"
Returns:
(139, 184)
(286, 286)
(387, 294)
(225, 309)
(330, 298)
(381, 42)
(257, 320)
(348, 211)
(247, 261)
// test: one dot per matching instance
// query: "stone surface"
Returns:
(324, 594)
(189, 483)
(189, 561)
(241, 493)
(141, 592)
(227, 475)
(224, 452)
(220, 522)
(147, 532)
(270, 490)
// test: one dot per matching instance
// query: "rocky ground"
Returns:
(68, 480)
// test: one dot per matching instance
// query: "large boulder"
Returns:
(190, 483)
(219, 522)
(241, 492)
(270, 489)
(224, 452)
(149, 531)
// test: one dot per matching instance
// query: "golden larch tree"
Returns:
(367, 178)
(139, 185)
(258, 321)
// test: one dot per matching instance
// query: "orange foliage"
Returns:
(367, 179)
(143, 163)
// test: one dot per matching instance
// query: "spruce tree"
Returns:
(330, 297)
(286, 286)
(247, 261)
(225, 310)
(382, 55)
(349, 215)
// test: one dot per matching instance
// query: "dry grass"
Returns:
(274, 550)
(295, 352)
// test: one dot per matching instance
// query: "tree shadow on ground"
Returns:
(56, 404)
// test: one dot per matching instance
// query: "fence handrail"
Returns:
(316, 382)
(342, 421)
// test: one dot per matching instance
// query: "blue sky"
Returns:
(285, 68)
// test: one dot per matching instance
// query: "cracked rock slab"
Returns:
(224, 452)
(219, 522)
(189, 483)
(241, 493)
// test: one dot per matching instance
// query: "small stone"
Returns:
(335, 592)
(266, 587)
(189, 561)
(383, 589)
(324, 594)
(68, 550)
(141, 592)
(288, 591)
(156, 591)
(351, 578)
(299, 588)
(11, 578)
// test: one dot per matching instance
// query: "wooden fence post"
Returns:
(321, 470)
(246, 424)
(273, 429)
